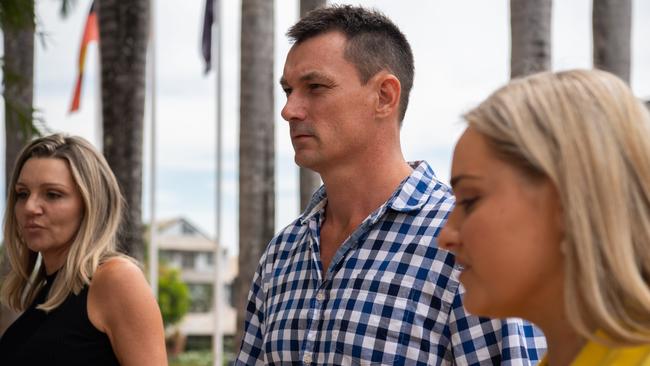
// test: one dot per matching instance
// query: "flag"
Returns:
(206, 38)
(91, 33)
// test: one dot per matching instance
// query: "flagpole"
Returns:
(99, 117)
(153, 245)
(217, 339)
(99, 127)
(90, 34)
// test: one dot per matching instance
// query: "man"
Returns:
(358, 278)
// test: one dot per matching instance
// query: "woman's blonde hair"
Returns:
(95, 241)
(586, 132)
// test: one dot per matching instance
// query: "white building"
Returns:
(181, 245)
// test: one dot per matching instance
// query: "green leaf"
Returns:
(173, 295)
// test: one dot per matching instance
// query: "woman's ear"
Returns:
(558, 210)
(389, 91)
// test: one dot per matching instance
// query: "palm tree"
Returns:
(530, 29)
(612, 24)
(309, 179)
(123, 34)
(17, 22)
(256, 145)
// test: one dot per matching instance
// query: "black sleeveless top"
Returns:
(64, 336)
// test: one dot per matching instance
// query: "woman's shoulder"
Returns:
(123, 306)
(117, 275)
(594, 353)
(116, 268)
(117, 285)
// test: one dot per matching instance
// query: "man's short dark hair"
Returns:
(374, 42)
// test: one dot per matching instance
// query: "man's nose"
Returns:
(294, 109)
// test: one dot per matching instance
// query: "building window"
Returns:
(170, 258)
(204, 261)
(187, 230)
(198, 343)
(201, 295)
(227, 294)
(188, 260)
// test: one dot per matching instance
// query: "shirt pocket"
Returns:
(377, 325)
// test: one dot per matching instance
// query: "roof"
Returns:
(178, 226)
(180, 234)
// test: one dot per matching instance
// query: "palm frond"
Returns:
(66, 7)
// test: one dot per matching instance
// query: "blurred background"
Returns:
(462, 53)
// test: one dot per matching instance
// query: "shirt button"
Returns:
(320, 296)
(307, 358)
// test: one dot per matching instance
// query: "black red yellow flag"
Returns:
(90, 34)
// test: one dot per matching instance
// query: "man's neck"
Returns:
(352, 194)
(355, 192)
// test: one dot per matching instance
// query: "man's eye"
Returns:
(315, 86)
(287, 91)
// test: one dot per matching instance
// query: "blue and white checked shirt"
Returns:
(390, 296)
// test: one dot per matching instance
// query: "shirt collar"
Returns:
(415, 190)
(411, 194)
(316, 205)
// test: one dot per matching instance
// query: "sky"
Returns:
(461, 50)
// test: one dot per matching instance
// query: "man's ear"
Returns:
(389, 91)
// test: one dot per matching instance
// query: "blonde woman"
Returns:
(82, 302)
(552, 221)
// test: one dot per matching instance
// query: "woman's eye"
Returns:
(21, 195)
(53, 195)
(468, 203)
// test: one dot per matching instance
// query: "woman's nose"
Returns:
(33, 205)
(448, 238)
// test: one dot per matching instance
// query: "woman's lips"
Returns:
(462, 264)
(33, 227)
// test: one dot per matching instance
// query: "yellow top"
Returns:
(595, 354)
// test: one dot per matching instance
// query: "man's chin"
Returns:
(305, 162)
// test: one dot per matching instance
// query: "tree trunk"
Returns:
(123, 33)
(309, 179)
(308, 5)
(612, 27)
(530, 29)
(18, 93)
(256, 145)
(309, 183)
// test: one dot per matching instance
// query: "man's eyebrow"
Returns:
(312, 75)
(455, 179)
